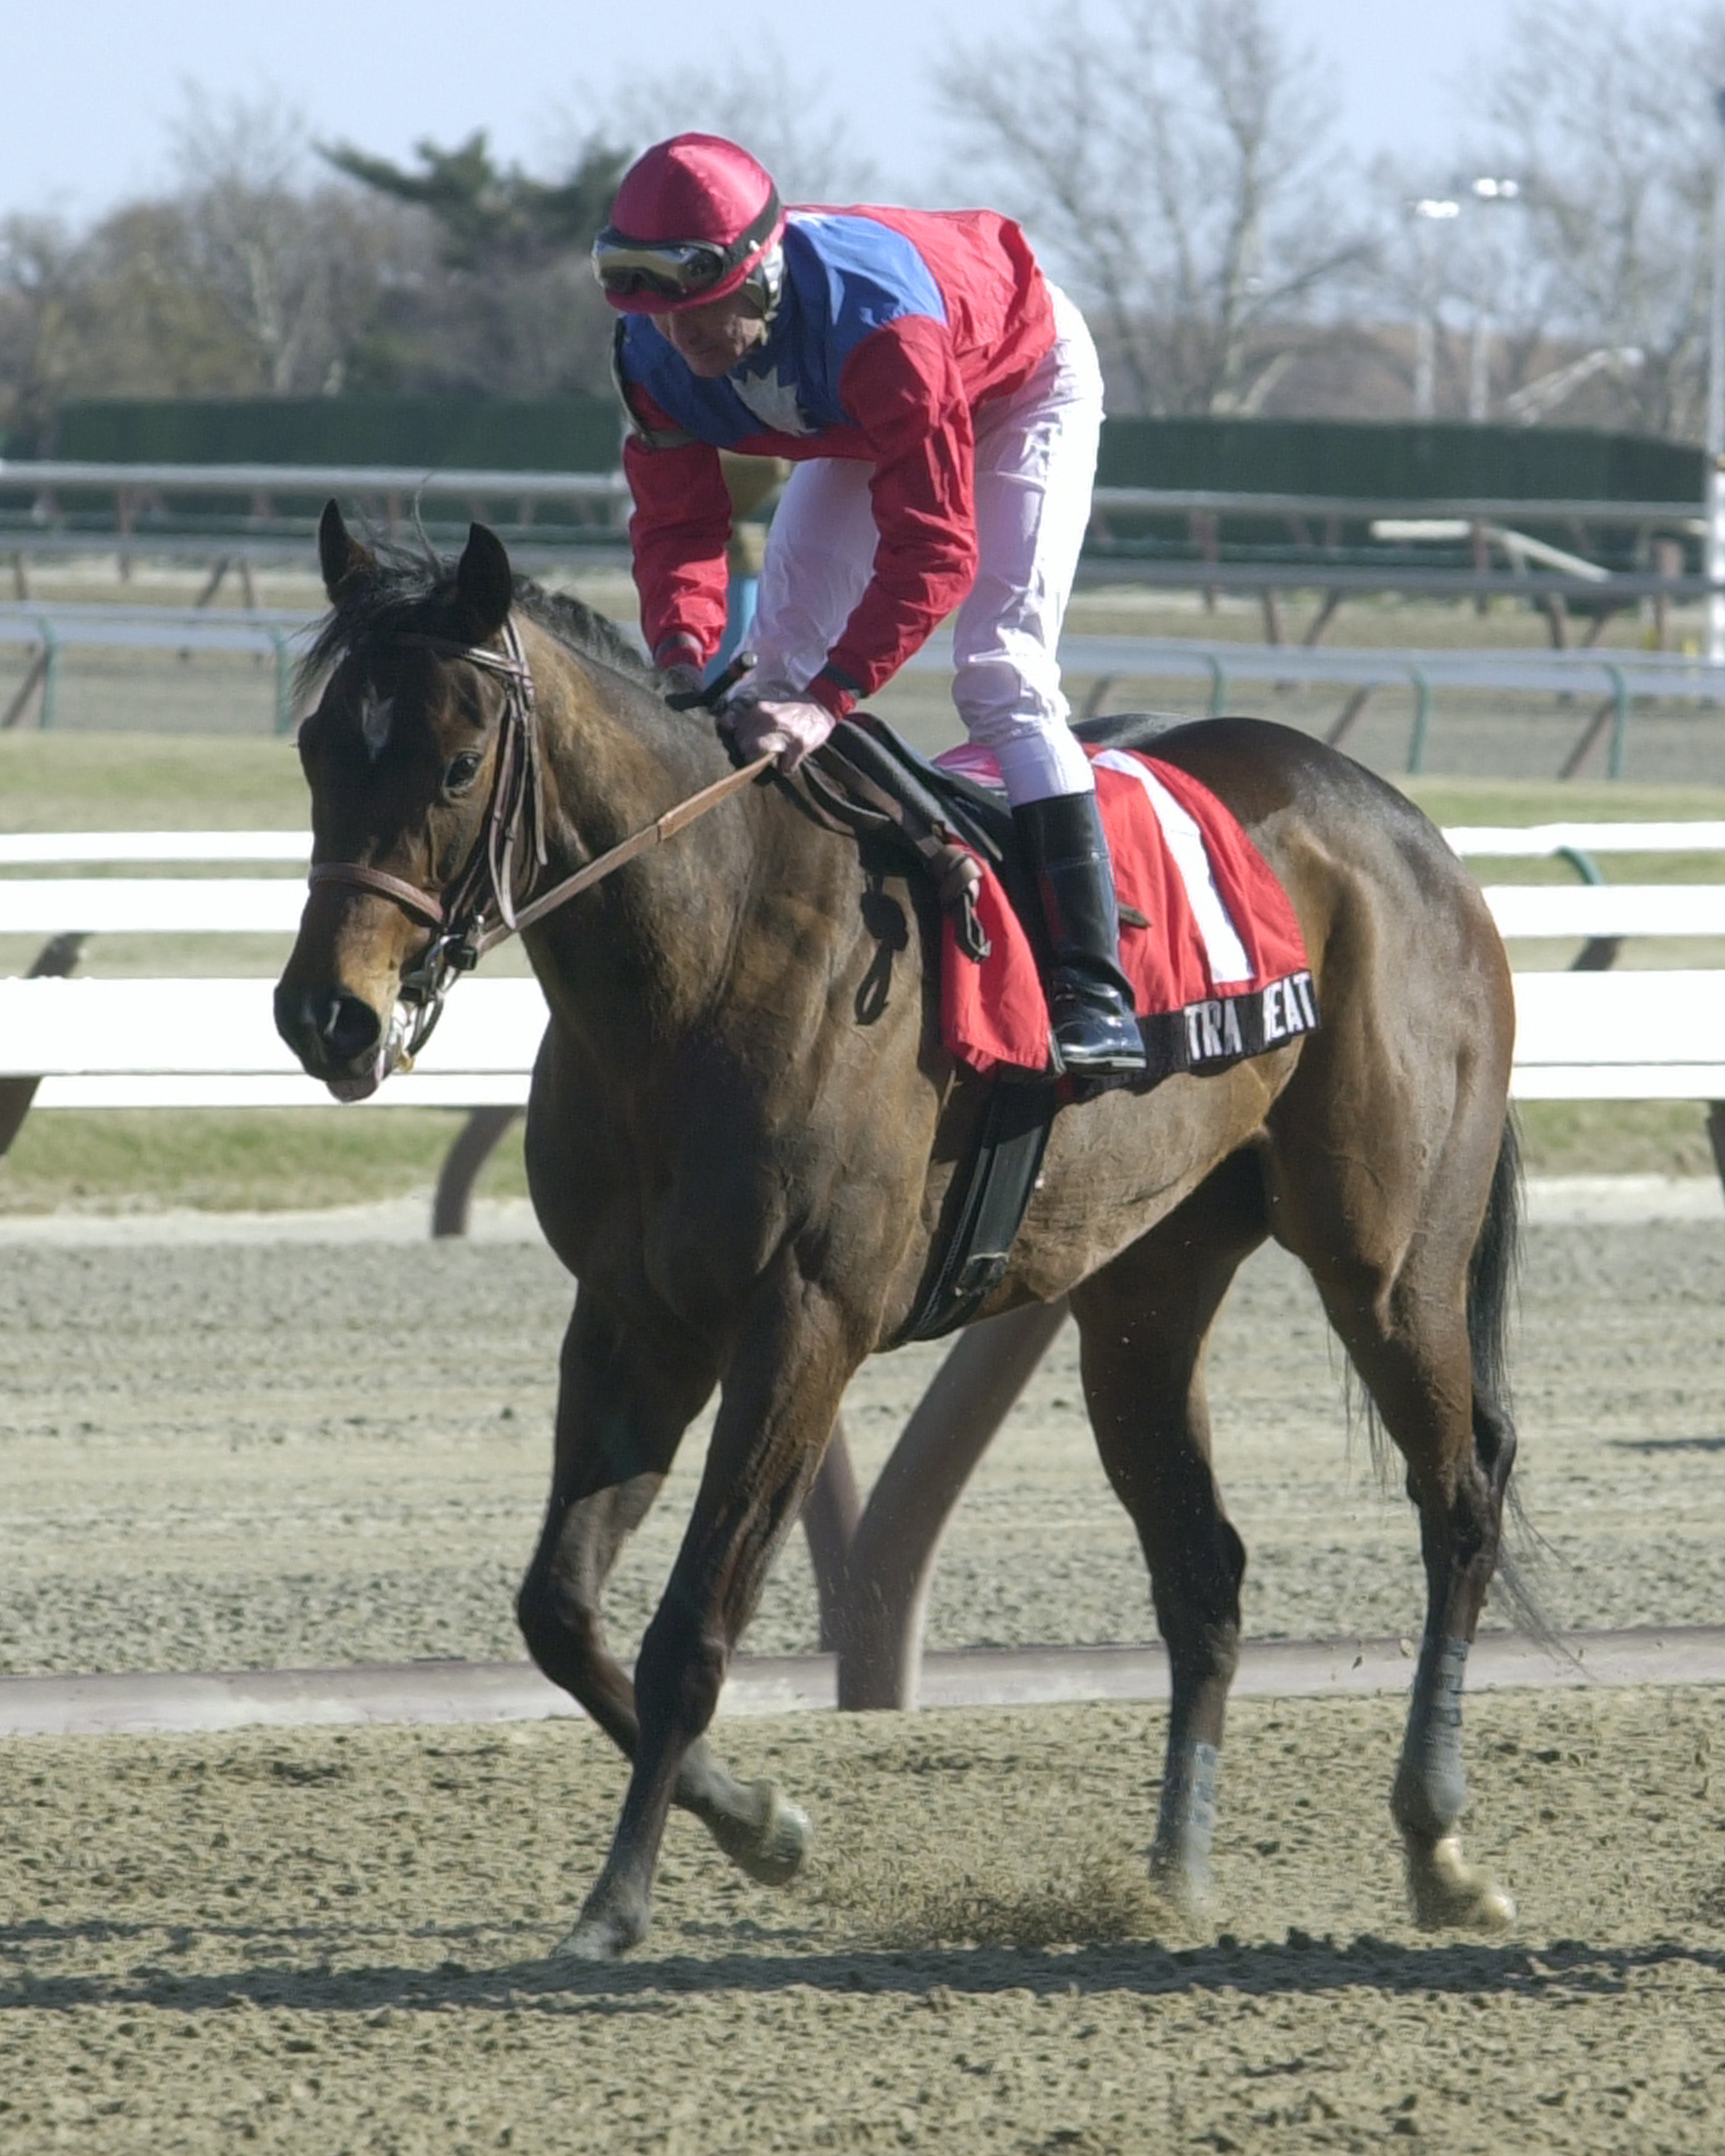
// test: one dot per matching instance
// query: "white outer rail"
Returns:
(32, 849)
(50, 849)
(155, 905)
(1652, 1036)
(214, 1043)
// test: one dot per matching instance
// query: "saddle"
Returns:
(869, 780)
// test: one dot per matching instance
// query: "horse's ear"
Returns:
(340, 555)
(484, 582)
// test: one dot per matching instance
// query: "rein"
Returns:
(479, 910)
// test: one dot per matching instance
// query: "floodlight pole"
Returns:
(1714, 507)
(1488, 187)
(1430, 211)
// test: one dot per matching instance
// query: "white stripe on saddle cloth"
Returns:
(1223, 951)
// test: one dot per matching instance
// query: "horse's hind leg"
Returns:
(1143, 1321)
(622, 1408)
(1419, 1307)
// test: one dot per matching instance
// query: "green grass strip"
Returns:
(245, 1160)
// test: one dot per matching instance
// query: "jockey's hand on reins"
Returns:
(778, 721)
(693, 697)
(773, 720)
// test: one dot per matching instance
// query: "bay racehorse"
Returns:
(743, 1130)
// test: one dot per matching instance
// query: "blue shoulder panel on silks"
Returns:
(844, 278)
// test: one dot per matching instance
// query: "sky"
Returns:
(96, 84)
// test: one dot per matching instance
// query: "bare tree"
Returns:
(117, 312)
(1612, 137)
(791, 126)
(259, 273)
(1171, 158)
(293, 266)
(38, 336)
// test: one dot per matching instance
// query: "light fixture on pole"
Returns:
(1429, 210)
(1715, 562)
(1488, 187)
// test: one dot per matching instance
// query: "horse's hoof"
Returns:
(602, 1934)
(588, 1942)
(770, 1848)
(1449, 1894)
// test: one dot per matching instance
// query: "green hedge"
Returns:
(552, 434)
(1437, 460)
(580, 434)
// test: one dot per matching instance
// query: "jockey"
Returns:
(942, 403)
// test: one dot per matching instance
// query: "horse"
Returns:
(743, 1132)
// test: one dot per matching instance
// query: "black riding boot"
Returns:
(1089, 999)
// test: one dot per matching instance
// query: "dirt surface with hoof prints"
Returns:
(330, 1940)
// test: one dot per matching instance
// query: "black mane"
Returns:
(408, 590)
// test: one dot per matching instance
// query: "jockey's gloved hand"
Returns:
(680, 681)
(775, 721)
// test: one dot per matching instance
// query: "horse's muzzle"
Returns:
(338, 1037)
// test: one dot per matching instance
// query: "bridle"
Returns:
(480, 909)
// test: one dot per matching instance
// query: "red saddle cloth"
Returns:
(1220, 972)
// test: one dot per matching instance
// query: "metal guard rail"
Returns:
(1332, 569)
(1622, 677)
(48, 630)
(549, 545)
(47, 474)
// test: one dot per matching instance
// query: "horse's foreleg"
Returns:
(780, 1395)
(1143, 1322)
(622, 1408)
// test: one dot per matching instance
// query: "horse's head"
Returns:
(401, 756)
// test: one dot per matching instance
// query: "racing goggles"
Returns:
(677, 268)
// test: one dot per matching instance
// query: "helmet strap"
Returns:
(765, 282)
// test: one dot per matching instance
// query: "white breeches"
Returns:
(1035, 464)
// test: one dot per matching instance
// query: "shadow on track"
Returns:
(1299, 1966)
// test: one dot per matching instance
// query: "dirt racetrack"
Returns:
(334, 1940)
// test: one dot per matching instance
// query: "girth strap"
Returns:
(991, 1193)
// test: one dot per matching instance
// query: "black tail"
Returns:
(1491, 1291)
(1492, 1275)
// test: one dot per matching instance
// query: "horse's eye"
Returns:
(462, 771)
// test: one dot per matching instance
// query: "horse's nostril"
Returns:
(328, 1031)
(348, 1028)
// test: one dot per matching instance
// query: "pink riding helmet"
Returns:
(693, 219)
